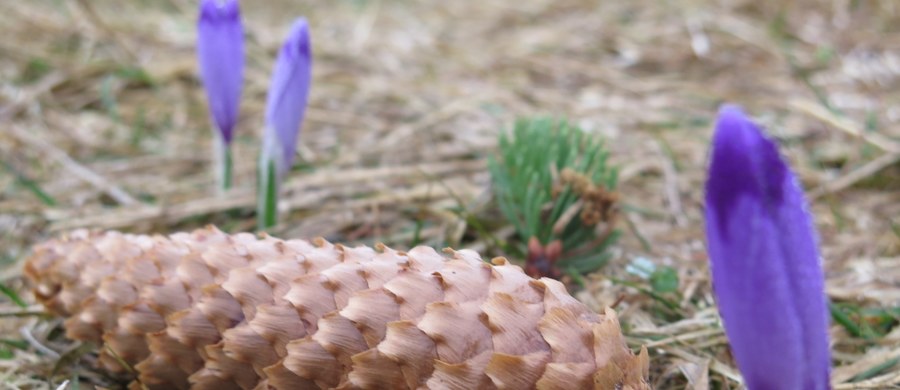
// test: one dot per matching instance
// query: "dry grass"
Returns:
(102, 112)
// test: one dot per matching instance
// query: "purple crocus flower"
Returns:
(765, 263)
(286, 103)
(220, 48)
(285, 107)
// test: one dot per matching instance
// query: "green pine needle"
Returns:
(531, 195)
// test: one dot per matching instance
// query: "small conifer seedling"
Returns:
(553, 183)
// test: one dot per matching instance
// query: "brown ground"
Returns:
(102, 111)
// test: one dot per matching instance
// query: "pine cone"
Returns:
(208, 310)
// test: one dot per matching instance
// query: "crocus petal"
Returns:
(765, 263)
(288, 94)
(220, 48)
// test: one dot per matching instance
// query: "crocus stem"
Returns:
(223, 163)
(267, 211)
(227, 166)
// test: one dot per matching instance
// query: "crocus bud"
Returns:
(765, 263)
(286, 102)
(220, 48)
(285, 107)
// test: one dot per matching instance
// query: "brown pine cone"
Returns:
(208, 310)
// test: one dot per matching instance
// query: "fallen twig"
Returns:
(868, 169)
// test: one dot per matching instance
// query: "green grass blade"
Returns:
(13, 296)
